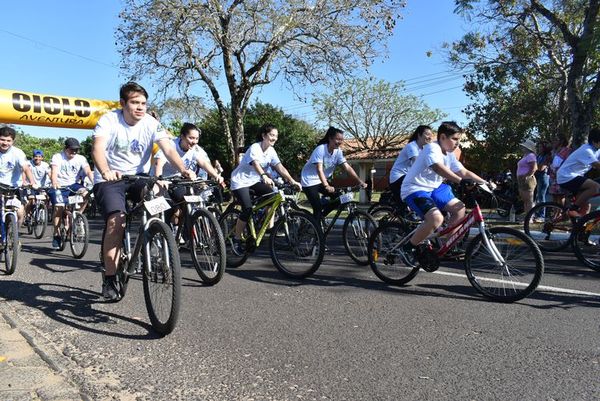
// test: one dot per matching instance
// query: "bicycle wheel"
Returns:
(227, 223)
(513, 278)
(29, 222)
(382, 214)
(11, 244)
(549, 226)
(296, 244)
(80, 235)
(161, 277)
(586, 240)
(40, 220)
(207, 247)
(386, 257)
(356, 231)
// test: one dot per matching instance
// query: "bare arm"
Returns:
(172, 156)
(353, 174)
(158, 167)
(285, 174)
(266, 179)
(29, 174)
(206, 166)
(99, 156)
(323, 179)
(445, 172)
(54, 177)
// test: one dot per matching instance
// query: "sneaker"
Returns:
(237, 245)
(409, 254)
(109, 288)
(56, 243)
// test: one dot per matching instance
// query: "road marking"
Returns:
(546, 288)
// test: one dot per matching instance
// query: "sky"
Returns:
(67, 48)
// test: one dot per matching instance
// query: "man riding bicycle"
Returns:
(65, 168)
(123, 141)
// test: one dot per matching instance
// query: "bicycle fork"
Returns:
(491, 246)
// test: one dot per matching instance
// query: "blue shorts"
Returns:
(574, 184)
(65, 193)
(421, 201)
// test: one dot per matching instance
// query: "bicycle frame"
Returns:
(5, 212)
(348, 206)
(274, 202)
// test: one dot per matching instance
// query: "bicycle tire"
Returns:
(585, 240)
(227, 223)
(62, 234)
(386, 260)
(11, 244)
(79, 235)
(514, 280)
(162, 278)
(296, 245)
(382, 214)
(40, 220)
(29, 224)
(357, 229)
(207, 247)
(554, 233)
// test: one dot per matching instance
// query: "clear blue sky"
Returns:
(67, 48)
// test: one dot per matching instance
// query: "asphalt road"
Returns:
(340, 335)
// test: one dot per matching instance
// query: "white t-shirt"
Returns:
(403, 163)
(11, 166)
(244, 174)
(421, 177)
(578, 163)
(128, 148)
(189, 158)
(67, 170)
(330, 161)
(41, 173)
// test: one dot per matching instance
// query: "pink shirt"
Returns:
(524, 165)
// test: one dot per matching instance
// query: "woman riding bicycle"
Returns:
(320, 167)
(251, 174)
(407, 156)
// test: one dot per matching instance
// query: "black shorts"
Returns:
(574, 184)
(111, 196)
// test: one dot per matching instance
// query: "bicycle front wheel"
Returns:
(296, 245)
(586, 240)
(507, 268)
(356, 231)
(549, 226)
(386, 257)
(11, 244)
(227, 222)
(161, 277)
(207, 247)
(40, 220)
(80, 235)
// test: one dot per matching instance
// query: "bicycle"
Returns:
(37, 218)
(358, 225)
(9, 203)
(296, 244)
(501, 263)
(201, 228)
(73, 225)
(156, 252)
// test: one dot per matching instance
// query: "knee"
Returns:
(115, 223)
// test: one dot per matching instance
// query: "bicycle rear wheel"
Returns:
(227, 223)
(296, 244)
(586, 240)
(11, 244)
(386, 258)
(513, 278)
(207, 247)
(382, 214)
(356, 231)
(39, 220)
(549, 226)
(161, 277)
(80, 235)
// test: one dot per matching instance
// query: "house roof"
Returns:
(349, 147)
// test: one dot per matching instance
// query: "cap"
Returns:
(529, 145)
(38, 152)
(72, 143)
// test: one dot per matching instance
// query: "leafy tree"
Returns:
(235, 46)
(534, 61)
(27, 143)
(374, 112)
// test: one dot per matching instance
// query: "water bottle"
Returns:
(511, 214)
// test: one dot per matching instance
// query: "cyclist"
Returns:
(41, 172)
(320, 167)
(13, 165)
(425, 192)
(123, 142)
(407, 156)
(65, 169)
(251, 174)
(194, 158)
(570, 175)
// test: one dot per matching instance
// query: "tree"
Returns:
(374, 112)
(248, 44)
(27, 143)
(548, 49)
(189, 109)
